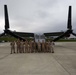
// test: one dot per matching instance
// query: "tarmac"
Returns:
(62, 62)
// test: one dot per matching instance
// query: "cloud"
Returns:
(37, 15)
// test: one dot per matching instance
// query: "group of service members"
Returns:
(31, 46)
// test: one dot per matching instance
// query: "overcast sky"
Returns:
(38, 16)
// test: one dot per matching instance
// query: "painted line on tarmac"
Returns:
(66, 47)
(4, 57)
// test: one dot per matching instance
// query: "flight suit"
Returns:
(34, 46)
(49, 47)
(12, 47)
(39, 46)
(52, 46)
(22, 47)
(30, 47)
(43, 46)
(18, 43)
(26, 46)
(46, 46)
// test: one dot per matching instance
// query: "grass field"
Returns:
(67, 40)
(12, 38)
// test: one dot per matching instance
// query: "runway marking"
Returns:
(61, 65)
(4, 56)
(66, 47)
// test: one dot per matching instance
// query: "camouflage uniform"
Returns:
(52, 46)
(34, 46)
(43, 46)
(26, 46)
(12, 47)
(39, 46)
(22, 47)
(18, 43)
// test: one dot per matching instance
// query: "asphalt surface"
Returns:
(62, 62)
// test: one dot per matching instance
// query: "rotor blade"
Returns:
(74, 34)
(68, 32)
(69, 24)
(14, 35)
(6, 17)
(2, 34)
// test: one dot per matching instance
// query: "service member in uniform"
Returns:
(52, 46)
(43, 46)
(49, 47)
(22, 46)
(18, 43)
(46, 46)
(26, 46)
(30, 46)
(34, 46)
(39, 46)
(12, 47)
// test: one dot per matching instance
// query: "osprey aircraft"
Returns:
(20, 35)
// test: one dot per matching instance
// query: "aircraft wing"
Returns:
(53, 34)
(59, 34)
(67, 32)
(20, 35)
(2, 34)
(24, 34)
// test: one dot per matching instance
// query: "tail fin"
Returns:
(6, 17)
(69, 25)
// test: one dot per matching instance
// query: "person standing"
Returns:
(12, 47)
(30, 47)
(18, 44)
(49, 46)
(34, 46)
(46, 46)
(39, 46)
(22, 46)
(26, 46)
(43, 46)
(52, 46)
